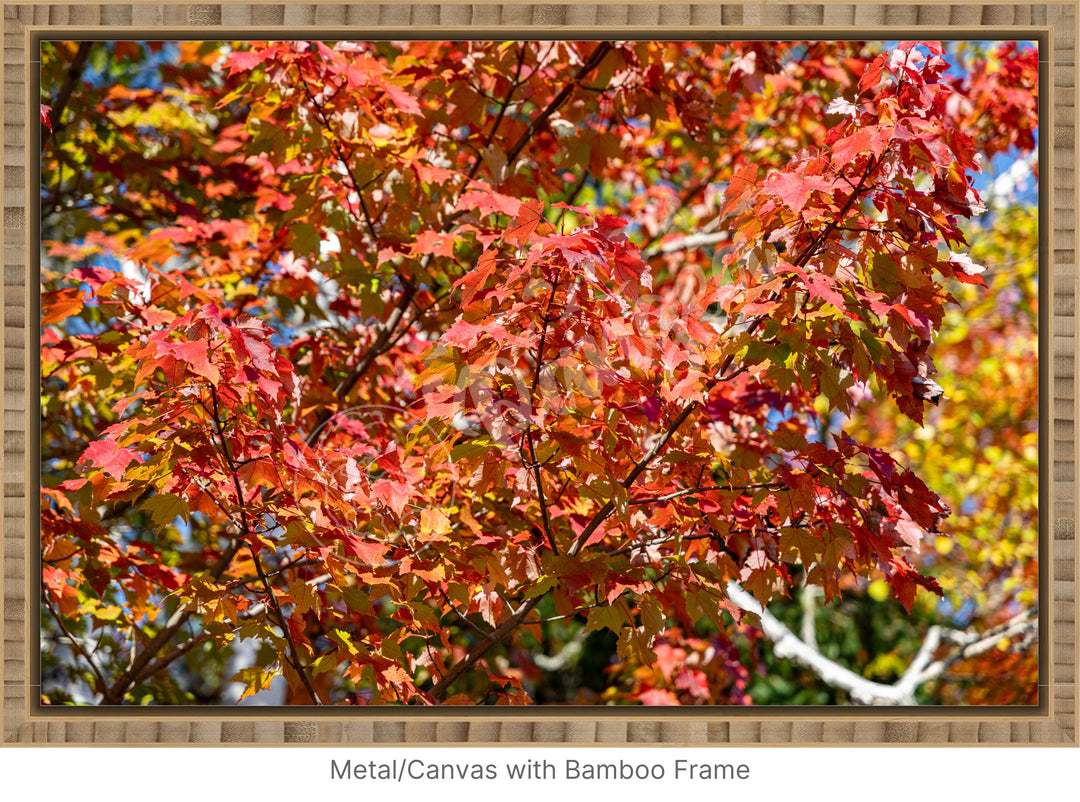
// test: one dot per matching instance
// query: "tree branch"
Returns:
(659, 541)
(571, 649)
(503, 106)
(972, 644)
(639, 468)
(294, 656)
(537, 475)
(808, 597)
(687, 243)
(165, 660)
(591, 63)
(115, 693)
(383, 341)
(78, 64)
(787, 644)
(692, 491)
(687, 195)
(101, 686)
(863, 691)
(497, 636)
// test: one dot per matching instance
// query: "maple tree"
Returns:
(400, 368)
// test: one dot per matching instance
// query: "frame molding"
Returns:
(1053, 722)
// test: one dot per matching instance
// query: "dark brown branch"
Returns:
(504, 105)
(639, 468)
(115, 693)
(294, 656)
(167, 659)
(536, 468)
(63, 97)
(498, 635)
(339, 154)
(202, 637)
(444, 595)
(659, 541)
(294, 652)
(690, 491)
(383, 342)
(283, 566)
(538, 478)
(591, 63)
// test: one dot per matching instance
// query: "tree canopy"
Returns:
(511, 372)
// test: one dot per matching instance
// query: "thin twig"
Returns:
(691, 491)
(99, 680)
(591, 63)
(505, 104)
(973, 644)
(444, 595)
(263, 578)
(537, 474)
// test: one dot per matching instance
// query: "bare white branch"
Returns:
(787, 644)
(687, 243)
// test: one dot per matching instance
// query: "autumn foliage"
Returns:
(398, 369)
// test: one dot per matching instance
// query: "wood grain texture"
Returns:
(23, 723)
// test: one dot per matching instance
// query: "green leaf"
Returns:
(164, 508)
(834, 384)
(322, 664)
(652, 616)
(605, 617)
(305, 240)
(541, 586)
(636, 644)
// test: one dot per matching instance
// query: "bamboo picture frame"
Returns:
(1053, 722)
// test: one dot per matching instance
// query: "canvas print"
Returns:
(539, 373)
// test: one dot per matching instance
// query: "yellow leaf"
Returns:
(254, 679)
(433, 523)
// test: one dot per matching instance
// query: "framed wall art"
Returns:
(502, 374)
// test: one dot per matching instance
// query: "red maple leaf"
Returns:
(246, 60)
(529, 217)
(109, 456)
(794, 190)
(365, 551)
(195, 354)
